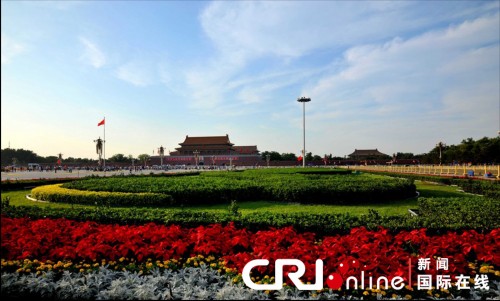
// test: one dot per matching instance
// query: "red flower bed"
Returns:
(377, 253)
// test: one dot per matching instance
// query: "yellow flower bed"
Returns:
(57, 194)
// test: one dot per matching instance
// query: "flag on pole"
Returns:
(101, 123)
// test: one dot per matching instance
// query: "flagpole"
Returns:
(104, 165)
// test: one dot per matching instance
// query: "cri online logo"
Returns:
(334, 280)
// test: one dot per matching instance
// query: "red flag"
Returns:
(299, 158)
(101, 123)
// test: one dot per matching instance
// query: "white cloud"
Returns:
(288, 29)
(139, 74)
(442, 81)
(295, 28)
(247, 33)
(92, 54)
(10, 49)
(262, 88)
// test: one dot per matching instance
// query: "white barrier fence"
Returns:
(486, 171)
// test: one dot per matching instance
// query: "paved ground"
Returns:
(25, 175)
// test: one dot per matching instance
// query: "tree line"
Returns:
(275, 156)
(10, 156)
(483, 151)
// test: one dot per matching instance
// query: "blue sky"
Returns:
(399, 76)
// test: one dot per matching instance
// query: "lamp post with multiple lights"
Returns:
(231, 162)
(161, 152)
(440, 145)
(303, 100)
(196, 154)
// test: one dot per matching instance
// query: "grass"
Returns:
(426, 189)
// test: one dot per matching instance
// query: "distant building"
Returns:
(367, 154)
(247, 150)
(211, 150)
(207, 146)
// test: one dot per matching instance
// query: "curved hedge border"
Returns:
(488, 188)
(436, 214)
(57, 194)
(8, 185)
(26, 184)
(252, 185)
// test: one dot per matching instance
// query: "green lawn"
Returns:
(437, 190)
(388, 208)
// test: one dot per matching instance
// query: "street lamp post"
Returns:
(303, 100)
(268, 158)
(440, 145)
(161, 152)
(230, 160)
(196, 153)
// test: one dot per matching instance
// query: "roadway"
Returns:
(28, 175)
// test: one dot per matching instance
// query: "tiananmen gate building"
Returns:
(211, 150)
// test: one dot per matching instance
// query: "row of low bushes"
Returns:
(191, 283)
(284, 171)
(487, 188)
(107, 284)
(475, 212)
(9, 185)
(57, 194)
(217, 187)
(436, 215)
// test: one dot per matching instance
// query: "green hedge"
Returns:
(436, 215)
(321, 224)
(9, 185)
(56, 194)
(488, 188)
(468, 212)
(26, 184)
(284, 185)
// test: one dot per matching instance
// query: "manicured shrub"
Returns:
(312, 187)
(435, 215)
(484, 187)
(26, 184)
(460, 213)
(57, 194)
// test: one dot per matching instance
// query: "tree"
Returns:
(484, 150)
(288, 157)
(144, 158)
(275, 156)
(118, 158)
(309, 157)
(405, 155)
(317, 158)
(22, 156)
(51, 159)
